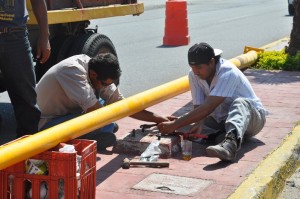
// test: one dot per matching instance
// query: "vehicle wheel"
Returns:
(291, 9)
(40, 69)
(92, 44)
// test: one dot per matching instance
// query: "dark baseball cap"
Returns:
(202, 53)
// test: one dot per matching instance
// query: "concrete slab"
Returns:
(137, 142)
(172, 184)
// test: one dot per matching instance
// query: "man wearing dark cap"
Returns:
(224, 103)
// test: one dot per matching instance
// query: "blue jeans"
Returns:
(106, 129)
(17, 67)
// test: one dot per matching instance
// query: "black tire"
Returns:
(56, 43)
(291, 9)
(93, 44)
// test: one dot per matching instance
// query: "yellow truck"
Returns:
(69, 33)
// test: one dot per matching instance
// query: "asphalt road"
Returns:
(292, 187)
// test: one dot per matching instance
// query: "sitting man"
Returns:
(224, 102)
(81, 84)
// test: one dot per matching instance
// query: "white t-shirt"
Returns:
(65, 89)
(228, 82)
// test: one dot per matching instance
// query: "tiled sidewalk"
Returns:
(211, 178)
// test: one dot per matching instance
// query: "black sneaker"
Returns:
(104, 140)
(116, 127)
(225, 150)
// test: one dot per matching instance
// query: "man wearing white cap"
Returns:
(224, 102)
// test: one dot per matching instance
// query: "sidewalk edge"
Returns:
(275, 43)
(268, 179)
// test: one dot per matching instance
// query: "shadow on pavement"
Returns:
(109, 169)
(272, 77)
(248, 145)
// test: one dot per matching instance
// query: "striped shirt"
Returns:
(228, 82)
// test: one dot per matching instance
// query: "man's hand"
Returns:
(43, 49)
(172, 118)
(43, 45)
(196, 129)
(166, 127)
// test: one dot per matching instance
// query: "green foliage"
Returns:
(278, 60)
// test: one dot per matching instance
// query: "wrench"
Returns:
(147, 126)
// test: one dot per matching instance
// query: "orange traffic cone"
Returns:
(176, 24)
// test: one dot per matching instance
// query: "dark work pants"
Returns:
(17, 67)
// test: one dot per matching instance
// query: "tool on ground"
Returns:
(133, 133)
(185, 135)
(157, 134)
(127, 163)
(147, 126)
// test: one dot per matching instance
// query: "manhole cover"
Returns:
(172, 184)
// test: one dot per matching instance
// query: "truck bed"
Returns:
(74, 14)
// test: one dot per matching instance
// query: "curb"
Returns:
(268, 179)
(277, 45)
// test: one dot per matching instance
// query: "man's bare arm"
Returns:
(196, 115)
(200, 112)
(96, 106)
(43, 45)
(148, 116)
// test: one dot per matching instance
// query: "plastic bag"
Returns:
(152, 152)
(37, 167)
(67, 148)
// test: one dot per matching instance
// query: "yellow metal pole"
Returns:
(245, 60)
(19, 150)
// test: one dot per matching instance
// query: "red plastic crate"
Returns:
(14, 180)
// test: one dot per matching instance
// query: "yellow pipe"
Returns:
(245, 60)
(19, 150)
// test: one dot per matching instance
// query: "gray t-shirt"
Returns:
(65, 89)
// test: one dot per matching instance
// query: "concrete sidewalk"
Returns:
(263, 163)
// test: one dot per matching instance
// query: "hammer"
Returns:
(126, 164)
